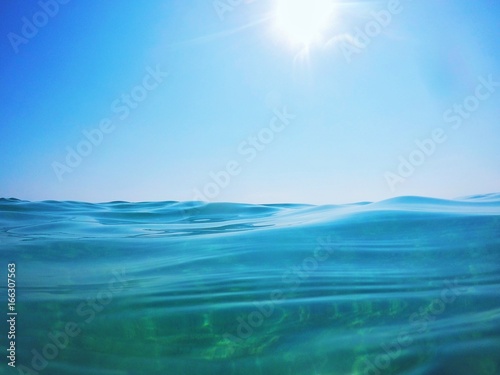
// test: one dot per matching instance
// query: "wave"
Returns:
(407, 285)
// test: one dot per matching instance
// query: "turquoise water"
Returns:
(409, 285)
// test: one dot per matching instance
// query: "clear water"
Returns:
(404, 286)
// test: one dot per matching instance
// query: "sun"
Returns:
(303, 21)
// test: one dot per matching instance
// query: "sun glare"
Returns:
(303, 21)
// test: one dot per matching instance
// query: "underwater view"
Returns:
(243, 187)
(409, 285)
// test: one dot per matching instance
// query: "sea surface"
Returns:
(409, 285)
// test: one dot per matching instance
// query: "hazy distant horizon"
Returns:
(485, 195)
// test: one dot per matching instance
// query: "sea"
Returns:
(409, 285)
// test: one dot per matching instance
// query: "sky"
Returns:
(264, 101)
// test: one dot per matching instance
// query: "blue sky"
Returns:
(201, 99)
